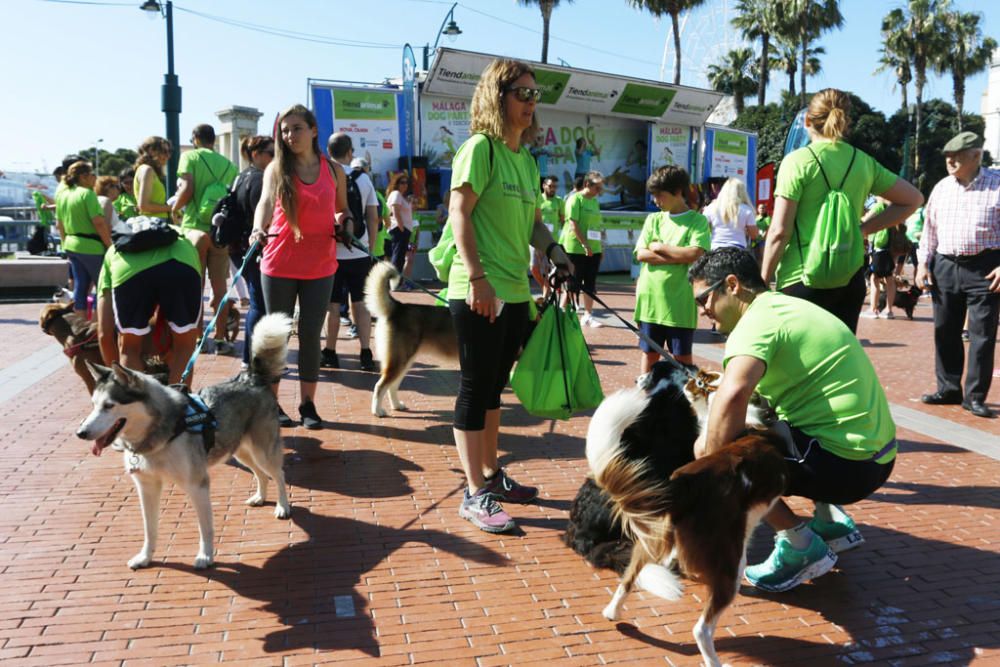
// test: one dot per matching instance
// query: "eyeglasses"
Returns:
(525, 94)
(702, 298)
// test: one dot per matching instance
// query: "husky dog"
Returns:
(147, 419)
(403, 330)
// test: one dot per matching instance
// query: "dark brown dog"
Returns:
(77, 336)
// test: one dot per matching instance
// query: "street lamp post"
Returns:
(170, 92)
(448, 27)
(97, 156)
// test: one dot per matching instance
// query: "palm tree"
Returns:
(735, 75)
(916, 30)
(761, 19)
(899, 65)
(785, 57)
(969, 53)
(807, 20)
(674, 9)
(546, 6)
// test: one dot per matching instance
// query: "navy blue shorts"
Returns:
(173, 286)
(350, 280)
(678, 341)
(820, 475)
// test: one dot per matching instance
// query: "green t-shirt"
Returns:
(880, 239)
(551, 210)
(663, 294)
(818, 377)
(915, 225)
(799, 180)
(76, 208)
(586, 212)
(45, 216)
(157, 196)
(378, 246)
(763, 222)
(118, 267)
(126, 206)
(503, 218)
(205, 167)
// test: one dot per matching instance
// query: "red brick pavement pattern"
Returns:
(374, 525)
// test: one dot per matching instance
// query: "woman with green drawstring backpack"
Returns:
(805, 179)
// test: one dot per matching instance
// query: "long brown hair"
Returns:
(148, 148)
(284, 164)
(487, 116)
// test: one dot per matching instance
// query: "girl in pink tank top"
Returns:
(312, 253)
(294, 222)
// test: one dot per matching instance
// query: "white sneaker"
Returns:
(593, 322)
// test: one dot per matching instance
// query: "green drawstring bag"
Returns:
(555, 376)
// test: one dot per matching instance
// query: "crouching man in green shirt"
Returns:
(840, 437)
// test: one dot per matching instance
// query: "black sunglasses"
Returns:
(702, 298)
(525, 94)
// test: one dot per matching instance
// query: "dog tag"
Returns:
(593, 235)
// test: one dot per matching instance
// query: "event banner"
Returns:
(671, 145)
(370, 116)
(730, 153)
(456, 73)
(444, 126)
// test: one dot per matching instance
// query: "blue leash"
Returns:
(211, 325)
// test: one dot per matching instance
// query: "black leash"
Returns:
(410, 283)
(575, 286)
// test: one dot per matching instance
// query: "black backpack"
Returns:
(355, 204)
(228, 221)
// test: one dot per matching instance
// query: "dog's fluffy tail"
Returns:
(378, 298)
(659, 581)
(270, 346)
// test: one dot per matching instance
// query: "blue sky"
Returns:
(75, 73)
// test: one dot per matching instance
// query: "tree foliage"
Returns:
(673, 9)
(734, 75)
(110, 164)
(546, 7)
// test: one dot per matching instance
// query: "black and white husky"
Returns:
(147, 420)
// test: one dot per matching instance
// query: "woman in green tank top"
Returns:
(150, 193)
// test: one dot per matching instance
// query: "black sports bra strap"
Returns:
(854, 154)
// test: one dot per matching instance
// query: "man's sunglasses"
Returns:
(702, 298)
(525, 94)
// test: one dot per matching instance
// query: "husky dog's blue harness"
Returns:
(197, 418)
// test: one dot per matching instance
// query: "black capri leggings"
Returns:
(486, 353)
(843, 302)
(585, 270)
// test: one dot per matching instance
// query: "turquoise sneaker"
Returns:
(788, 567)
(838, 535)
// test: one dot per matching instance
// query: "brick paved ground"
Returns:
(376, 568)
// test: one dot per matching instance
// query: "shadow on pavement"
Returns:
(306, 585)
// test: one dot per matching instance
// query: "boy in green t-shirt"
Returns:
(553, 210)
(670, 241)
(834, 425)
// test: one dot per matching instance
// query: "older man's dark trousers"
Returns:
(960, 286)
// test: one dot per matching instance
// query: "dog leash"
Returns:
(211, 324)
(575, 286)
(410, 283)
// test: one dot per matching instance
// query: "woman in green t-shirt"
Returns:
(84, 230)
(799, 195)
(494, 217)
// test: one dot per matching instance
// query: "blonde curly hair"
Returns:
(487, 100)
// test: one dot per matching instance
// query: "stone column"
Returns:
(235, 123)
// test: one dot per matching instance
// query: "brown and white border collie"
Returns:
(699, 520)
